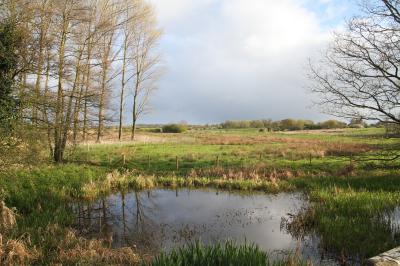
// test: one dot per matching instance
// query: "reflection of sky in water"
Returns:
(164, 219)
(394, 219)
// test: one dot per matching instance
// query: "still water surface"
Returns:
(160, 220)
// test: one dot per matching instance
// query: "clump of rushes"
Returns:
(352, 225)
(13, 251)
(221, 254)
(7, 217)
(74, 250)
(117, 181)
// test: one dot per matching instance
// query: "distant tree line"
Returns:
(288, 124)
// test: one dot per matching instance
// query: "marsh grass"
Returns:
(74, 250)
(67, 248)
(7, 218)
(350, 200)
(222, 254)
(352, 216)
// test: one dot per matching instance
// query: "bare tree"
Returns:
(126, 39)
(145, 62)
(106, 58)
(359, 75)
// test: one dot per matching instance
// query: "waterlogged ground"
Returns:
(160, 220)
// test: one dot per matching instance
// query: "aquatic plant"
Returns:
(228, 253)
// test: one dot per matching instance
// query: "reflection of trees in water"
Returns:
(121, 222)
(134, 219)
(94, 220)
(145, 231)
(347, 238)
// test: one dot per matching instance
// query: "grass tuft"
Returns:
(221, 254)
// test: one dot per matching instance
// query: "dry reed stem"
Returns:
(74, 250)
(7, 218)
(13, 251)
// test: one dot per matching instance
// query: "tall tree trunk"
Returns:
(40, 64)
(121, 104)
(68, 116)
(46, 117)
(58, 147)
(134, 111)
(104, 81)
(101, 104)
(77, 110)
(86, 93)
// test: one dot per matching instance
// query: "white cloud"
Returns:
(236, 59)
(170, 11)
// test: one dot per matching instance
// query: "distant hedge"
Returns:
(174, 128)
(282, 125)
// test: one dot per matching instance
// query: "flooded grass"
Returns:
(352, 216)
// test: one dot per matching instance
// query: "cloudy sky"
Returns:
(240, 59)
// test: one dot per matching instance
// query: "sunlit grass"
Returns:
(222, 254)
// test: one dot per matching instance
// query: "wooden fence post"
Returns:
(123, 159)
(217, 161)
(177, 163)
(148, 162)
(310, 158)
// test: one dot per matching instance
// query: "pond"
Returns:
(160, 220)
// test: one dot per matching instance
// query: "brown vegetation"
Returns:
(298, 146)
(71, 248)
(78, 250)
(260, 172)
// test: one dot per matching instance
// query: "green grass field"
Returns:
(351, 194)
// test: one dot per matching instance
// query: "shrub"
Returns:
(174, 128)
(155, 130)
(332, 124)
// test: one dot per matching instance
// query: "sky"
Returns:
(241, 59)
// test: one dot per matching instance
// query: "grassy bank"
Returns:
(351, 197)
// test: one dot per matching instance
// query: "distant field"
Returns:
(213, 153)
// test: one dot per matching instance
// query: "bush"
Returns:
(151, 130)
(332, 124)
(174, 128)
(156, 130)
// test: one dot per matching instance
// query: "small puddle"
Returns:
(161, 220)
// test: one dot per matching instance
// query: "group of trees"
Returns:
(62, 63)
(285, 124)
